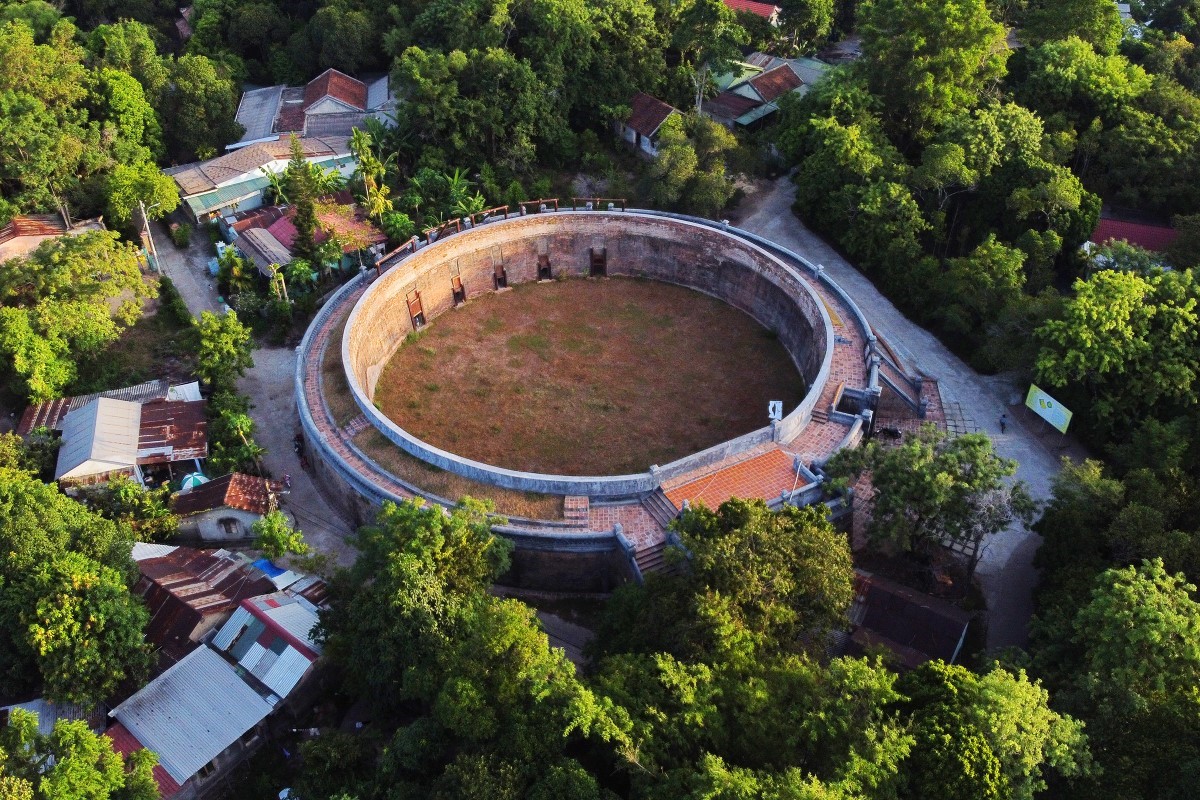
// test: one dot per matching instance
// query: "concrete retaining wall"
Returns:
(677, 251)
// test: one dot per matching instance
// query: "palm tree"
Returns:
(376, 201)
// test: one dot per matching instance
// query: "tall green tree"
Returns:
(69, 762)
(67, 300)
(198, 109)
(63, 595)
(223, 349)
(755, 581)
(933, 489)
(986, 736)
(303, 196)
(86, 632)
(929, 59)
(1127, 345)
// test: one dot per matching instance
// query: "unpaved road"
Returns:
(1006, 571)
(270, 388)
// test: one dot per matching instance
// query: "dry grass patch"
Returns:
(454, 487)
(587, 377)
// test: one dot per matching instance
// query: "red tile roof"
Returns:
(728, 105)
(764, 10)
(236, 490)
(337, 85)
(776, 83)
(648, 114)
(1151, 237)
(172, 431)
(125, 743)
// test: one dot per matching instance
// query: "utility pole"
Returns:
(150, 248)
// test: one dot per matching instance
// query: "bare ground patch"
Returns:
(587, 377)
(418, 473)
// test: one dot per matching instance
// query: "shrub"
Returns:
(172, 302)
(181, 234)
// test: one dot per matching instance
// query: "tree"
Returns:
(930, 59)
(223, 349)
(1094, 21)
(146, 512)
(68, 300)
(303, 195)
(934, 489)
(198, 109)
(71, 761)
(46, 146)
(1128, 341)
(707, 37)
(39, 528)
(1140, 634)
(808, 21)
(86, 632)
(756, 581)
(127, 185)
(991, 735)
(689, 170)
(275, 536)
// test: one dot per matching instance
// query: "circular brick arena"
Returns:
(586, 377)
(413, 291)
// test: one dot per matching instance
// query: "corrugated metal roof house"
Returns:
(193, 713)
(271, 638)
(99, 439)
(189, 592)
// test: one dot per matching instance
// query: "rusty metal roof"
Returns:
(172, 431)
(186, 585)
(52, 412)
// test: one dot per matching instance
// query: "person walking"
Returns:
(1003, 422)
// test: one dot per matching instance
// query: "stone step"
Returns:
(660, 507)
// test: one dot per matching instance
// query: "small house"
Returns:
(201, 718)
(647, 114)
(915, 627)
(191, 592)
(271, 638)
(225, 508)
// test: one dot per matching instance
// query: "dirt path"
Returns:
(187, 269)
(269, 386)
(1006, 571)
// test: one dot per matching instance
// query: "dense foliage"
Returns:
(68, 621)
(706, 681)
(69, 762)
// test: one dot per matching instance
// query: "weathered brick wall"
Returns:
(643, 245)
(664, 249)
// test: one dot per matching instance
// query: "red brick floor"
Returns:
(763, 477)
(639, 527)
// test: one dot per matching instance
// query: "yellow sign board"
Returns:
(1048, 408)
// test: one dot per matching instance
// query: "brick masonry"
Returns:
(815, 321)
